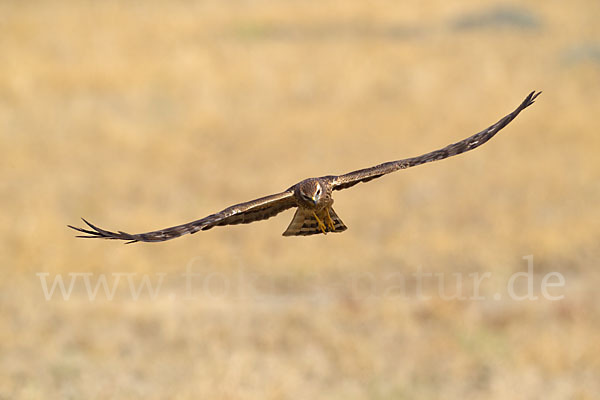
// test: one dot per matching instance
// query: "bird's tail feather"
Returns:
(304, 223)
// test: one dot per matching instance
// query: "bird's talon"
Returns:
(321, 224)
(330, 221)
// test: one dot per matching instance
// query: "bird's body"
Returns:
(312, 197)
(314, 215)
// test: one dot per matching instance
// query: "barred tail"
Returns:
(304, 223)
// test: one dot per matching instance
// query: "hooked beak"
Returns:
(315, 199)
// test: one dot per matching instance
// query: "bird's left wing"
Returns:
(242, 213)
(364, 175)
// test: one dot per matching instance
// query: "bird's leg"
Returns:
(321, 224)
(329, 220)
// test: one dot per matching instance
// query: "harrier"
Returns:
(312, 197)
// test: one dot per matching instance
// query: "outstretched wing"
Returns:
(364, 175)
(242, 213)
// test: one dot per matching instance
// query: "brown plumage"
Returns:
(312, 197)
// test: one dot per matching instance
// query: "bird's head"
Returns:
(310, 192)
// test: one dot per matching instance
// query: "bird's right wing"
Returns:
(242, 213)
(364, 175)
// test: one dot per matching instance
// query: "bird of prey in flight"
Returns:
(312, 197)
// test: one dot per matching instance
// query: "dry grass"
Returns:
(141, 115)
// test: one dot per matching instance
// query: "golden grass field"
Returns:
(145, 114)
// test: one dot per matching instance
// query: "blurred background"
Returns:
(146, 114)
